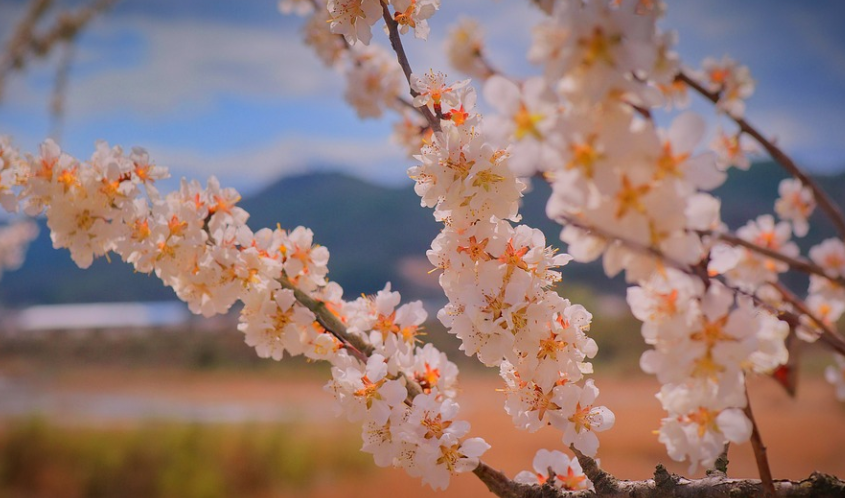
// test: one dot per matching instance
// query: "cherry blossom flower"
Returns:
(556, 468)
(731, 81)
(700, 423)
(354, 18)
(463, 48)
(731, 150)
(373, 81)
(366, 393)
(796, 203)
(433, 92)
(528, 115)
(414, 14)
(579, 419)
(830, 255)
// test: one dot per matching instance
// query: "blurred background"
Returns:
(109, 387)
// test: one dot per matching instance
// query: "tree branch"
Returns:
(801, 265)
(828, 336)
(759, 451)
(824, 202)
(329, 321)
(396, 43)
(500, 485)
(666, 485)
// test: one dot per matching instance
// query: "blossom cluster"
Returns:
(556, 469)
(197, 242)
(624, 189)
(637, 195)
(499, 277)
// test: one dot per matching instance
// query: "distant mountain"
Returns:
(375, 234)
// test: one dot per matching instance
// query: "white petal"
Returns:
(686, 131)
(734, 425)
(474, 447)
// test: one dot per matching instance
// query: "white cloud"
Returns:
(187, 64)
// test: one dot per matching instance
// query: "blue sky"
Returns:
(227, 88)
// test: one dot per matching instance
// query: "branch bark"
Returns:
(823, 200)
(717, 485)
(329, 321)
(759, 452)
(399, 49)
(828, 336)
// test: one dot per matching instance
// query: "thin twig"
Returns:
(828, 335)
(759, 451)
(831, 208)
(396, 43)
(801, 265)
(357, 345)
(498, 483)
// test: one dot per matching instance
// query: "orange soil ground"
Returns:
(802, 434)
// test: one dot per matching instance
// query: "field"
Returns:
(141, 431)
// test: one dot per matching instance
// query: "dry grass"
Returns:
(316, 455)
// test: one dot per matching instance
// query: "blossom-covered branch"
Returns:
(626, 190)
(825, 202)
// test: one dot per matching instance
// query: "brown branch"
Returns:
(67, 26)
(823, 200)
(14, 55)
(641, 248)
(18, 43)
(666, 485)
(359, 347)
(500, 485)
(604, 482)
(759, 452)
(642, 111)
(828, 336)
(801, 265)
(720, 466)
(25, 43)
(396, 43)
